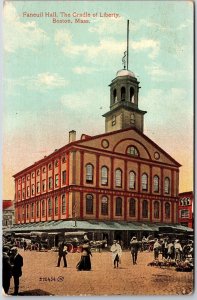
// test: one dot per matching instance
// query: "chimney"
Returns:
(72, 136)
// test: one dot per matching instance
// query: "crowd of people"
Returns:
(165, 247)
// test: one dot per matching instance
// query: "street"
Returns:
(42, 277)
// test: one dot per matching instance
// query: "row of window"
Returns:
(56, 164)
(184, 213)
(132, 179)
(35, 189)
(89, 207)
(30, 208)
(132, 207)
(123, 94)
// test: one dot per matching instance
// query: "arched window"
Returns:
(123, 93)
(37, 209)
(118, 206)
(56, 206)
(132, 150)
(89, 173)
(156, 209)
(63, 204)
(49, 207)
(132, 95)
(167, 210)
(144, 182)
(145, 209)
(118, 177)
(114, 96)
(156, 184)
(132, 179)
(89, 204)
(104, 176)
(104, 205)
(132, 207)
(43, 208)
(167, 185)
(32, 210)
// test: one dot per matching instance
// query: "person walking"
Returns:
(156, 249)
(16, 261)
(62, 252)
(116, 253)
(178, 250)
(85, 263)
(134, 244)
(7, 269)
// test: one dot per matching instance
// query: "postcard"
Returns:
(98, 148)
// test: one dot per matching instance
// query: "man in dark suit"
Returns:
(17, 262)
(134, 244)
(62, 253)
(7, 269)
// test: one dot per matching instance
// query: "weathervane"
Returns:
(125, 59)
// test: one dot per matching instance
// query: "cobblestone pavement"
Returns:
(42, 277)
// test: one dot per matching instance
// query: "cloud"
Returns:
(42, 81)
(64, 40)
(147, 44)
(108, 26)
(106, 47)
(78, 100)
(158, 73)
(83, 70)
(19, 35)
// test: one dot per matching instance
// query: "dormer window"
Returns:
(132, 150)
(123, 93)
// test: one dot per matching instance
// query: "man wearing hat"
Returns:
(16, 262)
(7, 269)
(134, 244)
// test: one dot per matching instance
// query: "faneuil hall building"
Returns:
(112, 185)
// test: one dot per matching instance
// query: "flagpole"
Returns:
(127, 44)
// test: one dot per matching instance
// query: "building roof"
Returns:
(8, 204)
(79, 142)
(95, 225)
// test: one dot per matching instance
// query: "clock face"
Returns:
(156, 155)
(105, 143)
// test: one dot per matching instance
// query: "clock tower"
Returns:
(124, 89)
(124, 111)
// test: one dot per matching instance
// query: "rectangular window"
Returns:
(64, 177)
(37, 209)
(184, 213)
(32, 210)
(38, 187)
(27, 211)
(28, 191)
(44, 185)
(19, 195)
(23, 193)
(56, 180)
(89, 204)
(50, 183)
(56, 206)
(63, 204)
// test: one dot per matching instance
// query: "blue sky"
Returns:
(56, 76)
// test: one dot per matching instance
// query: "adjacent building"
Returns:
(8, 217)
(186, 204)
